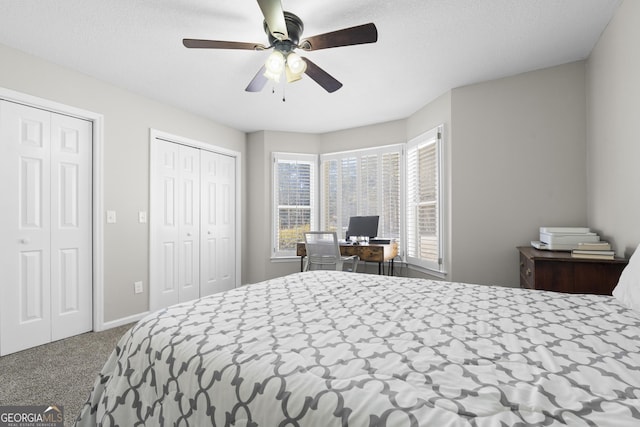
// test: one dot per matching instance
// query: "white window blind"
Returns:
(369, 178)
(362, 182)
(294, 183)
(349, 192)
(391, 178)
(424, 228)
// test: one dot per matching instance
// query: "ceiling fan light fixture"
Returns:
(272, 76)
(291, 76)
(274, 66)
(296, 64)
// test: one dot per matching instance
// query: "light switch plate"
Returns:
(137, 287)
(111, 217)
(142, 217)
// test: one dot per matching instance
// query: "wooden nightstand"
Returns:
(560, 272)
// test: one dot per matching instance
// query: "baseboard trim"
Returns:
(120, 322)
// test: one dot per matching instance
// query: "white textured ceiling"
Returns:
(424, 48)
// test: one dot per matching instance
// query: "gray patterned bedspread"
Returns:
(345, 349)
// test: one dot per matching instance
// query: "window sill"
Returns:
(285, 259)
(437, 274)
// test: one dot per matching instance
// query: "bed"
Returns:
(326, 348)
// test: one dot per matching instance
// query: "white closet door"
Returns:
(189, 199)
(26, 233)
(174, 224)
(165, 233)
(47, 278)
(217, 270)
(71, 255)
(193, 223)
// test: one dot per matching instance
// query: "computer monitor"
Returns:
(363, 226)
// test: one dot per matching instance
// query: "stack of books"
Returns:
(593, 250)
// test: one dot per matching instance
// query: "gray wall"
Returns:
(613, 82)
(260, 145)
(127, 119)
(518, 156)
(364, 137)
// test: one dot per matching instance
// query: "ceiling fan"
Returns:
(284, 30)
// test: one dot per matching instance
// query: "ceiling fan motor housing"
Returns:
(294, 28)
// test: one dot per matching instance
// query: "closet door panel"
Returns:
(71, 245)
(226, 228)
(165, 234)
(24, 230)
(227, 225)
(189, 223)
(175, 224)
(209, 219)
(218, 223)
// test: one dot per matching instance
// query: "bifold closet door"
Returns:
(175, 225)
(193, 223)
(217, 235)
(45, 245)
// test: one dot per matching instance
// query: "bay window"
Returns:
(400, 183)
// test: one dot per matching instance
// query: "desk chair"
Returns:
(323, 250)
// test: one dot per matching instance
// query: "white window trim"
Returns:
(312, 159)
(438, 268)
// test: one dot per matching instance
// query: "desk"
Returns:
(366, 252)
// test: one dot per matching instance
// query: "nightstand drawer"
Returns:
(527, 279)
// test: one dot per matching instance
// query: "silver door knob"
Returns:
(25, 240)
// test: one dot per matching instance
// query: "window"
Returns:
(294, 183)
(362, 182)
(401, 183)
(424, 210)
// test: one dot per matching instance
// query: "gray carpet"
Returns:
(60, 373)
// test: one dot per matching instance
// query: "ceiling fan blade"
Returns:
(361, 34)
(258, 82)
(218, 44)
(274, 17)
(321, 77)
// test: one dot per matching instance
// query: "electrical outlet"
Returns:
(111, 217)
(137, 287)
(142, 217)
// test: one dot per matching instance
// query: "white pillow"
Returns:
(627, 291)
